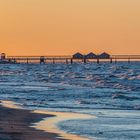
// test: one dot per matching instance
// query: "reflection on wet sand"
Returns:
(50, 124)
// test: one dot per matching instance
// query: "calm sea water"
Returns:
(109, 91)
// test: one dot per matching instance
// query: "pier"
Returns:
(70, 59)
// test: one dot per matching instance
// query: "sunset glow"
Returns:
(63, 27)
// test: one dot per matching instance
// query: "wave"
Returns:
(124, 97)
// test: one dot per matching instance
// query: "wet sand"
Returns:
(15, 125)
(50, 124)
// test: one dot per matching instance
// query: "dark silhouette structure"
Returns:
(91, 56)
(78, 56)
(5, 60)
(42, 60)
(3, 56)
(104, 56)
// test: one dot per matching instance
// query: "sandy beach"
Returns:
(15, 125)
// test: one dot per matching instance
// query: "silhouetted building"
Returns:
(42, 59)
(104, 56)
(91, 56)
(3, 56)
(78, 56)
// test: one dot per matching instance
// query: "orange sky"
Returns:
(47, 27)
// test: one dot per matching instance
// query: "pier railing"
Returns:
(125, 56)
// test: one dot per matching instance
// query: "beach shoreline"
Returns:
(20, 124)
(15, 125)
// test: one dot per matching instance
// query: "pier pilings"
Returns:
(71, 61)
(98, 60)
(111, 61)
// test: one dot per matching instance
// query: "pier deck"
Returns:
(70, 59)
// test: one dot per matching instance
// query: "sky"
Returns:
(63, 27)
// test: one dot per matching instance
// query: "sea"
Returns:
(111, 92)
